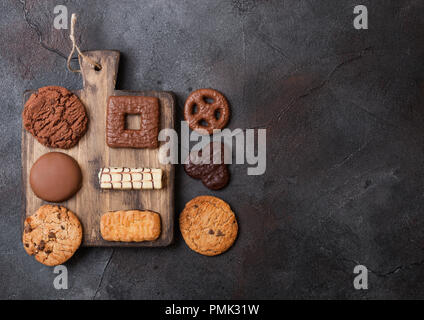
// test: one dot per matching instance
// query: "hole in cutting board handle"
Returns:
(97, 68)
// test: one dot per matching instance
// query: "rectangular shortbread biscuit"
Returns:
(130, 226)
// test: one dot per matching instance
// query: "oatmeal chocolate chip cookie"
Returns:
(55, 117)
(206, 110)
(52, 235)
(208, 166)
(208, 225)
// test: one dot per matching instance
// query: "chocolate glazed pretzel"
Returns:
(204, 115)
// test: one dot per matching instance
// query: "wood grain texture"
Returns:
(92, 153)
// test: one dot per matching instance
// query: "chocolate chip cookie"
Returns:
(52, 235)
(208, 225)
(55, 117)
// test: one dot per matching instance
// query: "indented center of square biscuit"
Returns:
(132, 121)
(118, 135)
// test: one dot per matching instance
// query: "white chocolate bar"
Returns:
(130, 178)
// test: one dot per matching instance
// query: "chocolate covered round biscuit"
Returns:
(55, 177)
(52, 235)
(55, 117)
(206, 110)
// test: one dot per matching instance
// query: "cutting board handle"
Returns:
(106, 77)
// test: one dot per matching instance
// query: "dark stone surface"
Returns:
(344, 113)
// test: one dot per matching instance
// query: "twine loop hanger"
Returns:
(95, 65)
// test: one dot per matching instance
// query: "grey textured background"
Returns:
(344, 113)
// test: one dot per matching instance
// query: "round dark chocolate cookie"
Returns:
(55, 177)
(55, 117)
(52, 235)
(206, 110)
(208, 166)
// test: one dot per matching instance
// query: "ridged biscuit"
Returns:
(208, 225)
(130, 226)
(52, 235)
(55, 117)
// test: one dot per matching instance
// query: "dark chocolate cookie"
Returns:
(55, 117)
(208, 165)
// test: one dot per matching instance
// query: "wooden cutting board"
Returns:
(92, 153)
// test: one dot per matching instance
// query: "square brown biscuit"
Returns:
(118, 136)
